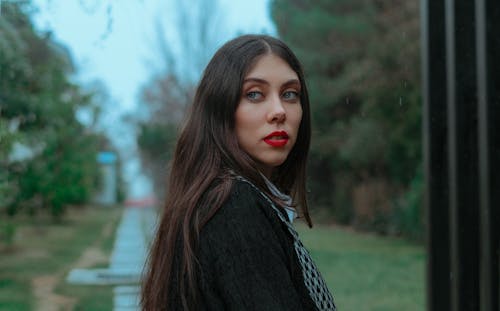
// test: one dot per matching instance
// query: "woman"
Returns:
(225, 240)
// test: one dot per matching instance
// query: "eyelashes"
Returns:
(254, 95)
(289, 96)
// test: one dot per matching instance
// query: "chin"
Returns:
(276, 163)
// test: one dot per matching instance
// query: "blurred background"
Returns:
(91, 97)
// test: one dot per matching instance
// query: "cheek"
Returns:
(246, 118)
(296, 117)
(240, 122)
(243, 125)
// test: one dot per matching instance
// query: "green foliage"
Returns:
(361, 60)
(121, 194)
(365, 143)
(62, 174)
(156, 142)
(408, 212)
(38, 103)
(7, 233)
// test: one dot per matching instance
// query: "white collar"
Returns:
(290, 211)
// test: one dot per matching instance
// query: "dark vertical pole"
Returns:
(493, 65)
(493, 53)
(463, 155)
(435, 153)
(488, 47)
(462, 152)
(482, 87)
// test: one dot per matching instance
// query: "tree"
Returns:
(37, 111)
(171, 89)
(362, 64)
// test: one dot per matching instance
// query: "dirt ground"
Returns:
(43, 286)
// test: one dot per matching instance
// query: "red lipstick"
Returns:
(277, 139)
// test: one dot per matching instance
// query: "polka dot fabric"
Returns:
(313, 280)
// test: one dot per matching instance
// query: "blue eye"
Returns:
(291, 95)
(254, 95)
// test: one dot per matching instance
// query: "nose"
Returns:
(277, 111)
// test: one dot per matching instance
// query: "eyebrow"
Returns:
(262, 81)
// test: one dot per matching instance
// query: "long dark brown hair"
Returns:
(206, 155)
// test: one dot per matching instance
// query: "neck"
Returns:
(266, 171)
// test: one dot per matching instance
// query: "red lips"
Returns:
(277, 139)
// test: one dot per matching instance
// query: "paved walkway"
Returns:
(127, 258)
(129, 254)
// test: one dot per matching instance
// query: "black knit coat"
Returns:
(247, 259)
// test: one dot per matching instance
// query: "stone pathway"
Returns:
(129, 254)
(127, 259)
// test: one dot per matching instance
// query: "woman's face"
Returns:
(269, 112)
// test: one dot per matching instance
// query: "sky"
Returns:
(114, 42)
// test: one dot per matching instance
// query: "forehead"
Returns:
(270, 66)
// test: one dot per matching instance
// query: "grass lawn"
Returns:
(33, 271)
(366, 271)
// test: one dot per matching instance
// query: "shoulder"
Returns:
(243, 195)
(244, 229)
(246, 217)
(246, 257)
(244, 205)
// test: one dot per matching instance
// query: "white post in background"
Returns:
(108, 189)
